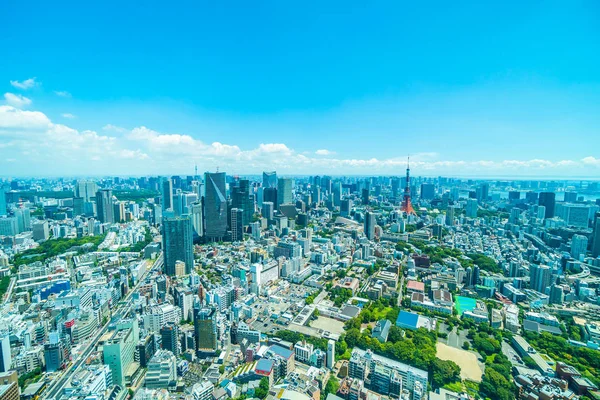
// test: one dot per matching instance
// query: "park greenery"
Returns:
(4, 284)
(332, 386)
(585, 360)
(497, 383)
(340, 295)
(55, 247)
(137, 196)
(310, 299)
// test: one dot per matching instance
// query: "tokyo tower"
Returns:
(406, 203)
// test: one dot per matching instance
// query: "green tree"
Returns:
(443, 372)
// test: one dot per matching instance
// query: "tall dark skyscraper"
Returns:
(167, 194)
(427, 191)
(370, 222)
(237, 228)
(170, 338)
(178, 242)
(548, 200)
(215, 207)
(483, 192)
(205, 328)
(243, 199)
(269, 179)
(596, 236)
(104, 206)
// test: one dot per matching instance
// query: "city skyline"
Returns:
(520, 100)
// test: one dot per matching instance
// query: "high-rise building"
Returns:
(427, 191)
(548, 200)
(86, 190)
(471, 208)
(170, 338)
(570, 197)
(579, 244)
(178, 242)
(449, 220)
(162, 370)
(540, 277)
(119, 350)
(5, 356)
(237, 227)
(370, 222)
(330, 354)
(197, 214)
(268, 210)
(483, 192)
(3, 210)
(205, 328)
(269, 179)
(104, 205)
(215, 207)
(284, 191)
(167, 194)
(243, 199)
(41, 231)
(531, 197)
(596, 236)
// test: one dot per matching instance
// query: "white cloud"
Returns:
(324, 152)
(17, 100)
(35, 142)
(68, 116)
(26, 84)
(62, 93)
(14, 118)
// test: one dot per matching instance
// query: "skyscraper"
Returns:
(205, 328)
(2, 201)
(5, 356)
(167, 194)
(548, 200)
(330, 354)
(104, 205)
(243, 199)
(170, 338)
(215, 207)
(540, 277)
(196, 212)
(406, 200)
(237, 227)
(427, 191)
(284, 191)
(178, 243)
(596, 236)
(370, 223)
(86, 190)
(269, 179)
(472, 207)
(483, 192)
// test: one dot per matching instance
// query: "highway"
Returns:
(8, 293)
(58, 385)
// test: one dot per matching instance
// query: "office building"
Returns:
(104, 206)
(215, 207)
(269, 179)
(596, 236)
(178, 243)
(284, 191)
(427, 191)
(370, 222)
(170, 338)
(237, 226)
(41, 231)
(242, 198)
(86, 190)
(548, 200)
(197, 215)
(471, 208)
(119, 350)
(579, 244)
(167, 194)
(5, 356)
(482, 192)
(540, 277)
(9, 386)
(3, 209)
(205, 328)
(162, 370)
(9, 226)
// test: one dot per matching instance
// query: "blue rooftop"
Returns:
(281, 351)
(407, 319)
(264, 364)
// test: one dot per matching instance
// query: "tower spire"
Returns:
(406, 202)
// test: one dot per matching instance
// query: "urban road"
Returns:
(58, 385)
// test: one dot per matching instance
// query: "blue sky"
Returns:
(468, 88)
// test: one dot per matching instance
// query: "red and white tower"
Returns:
(406, 203)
